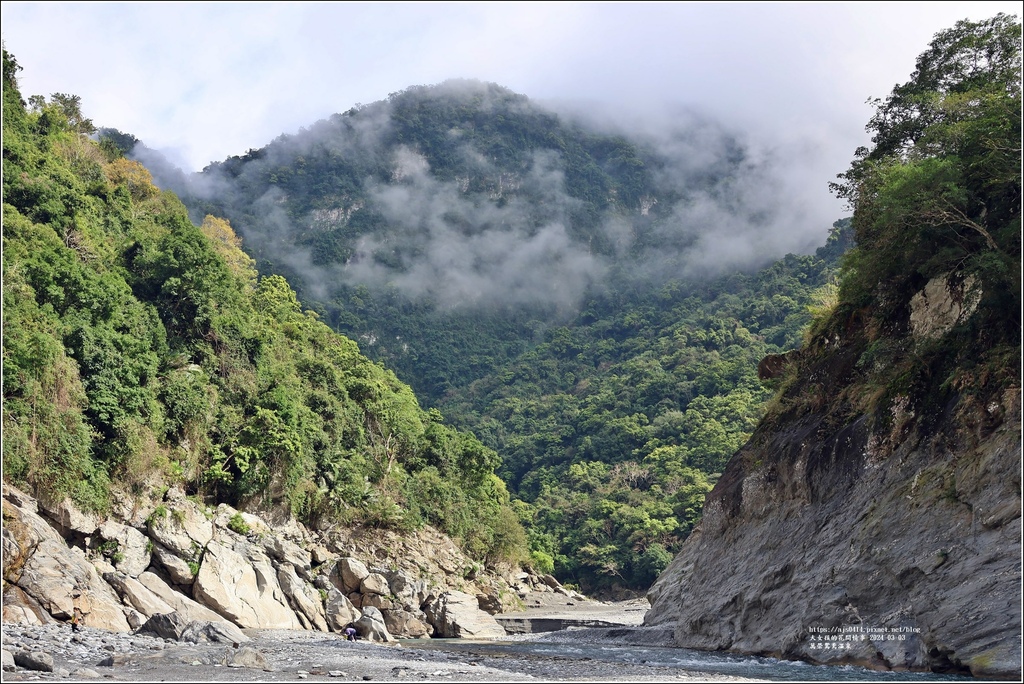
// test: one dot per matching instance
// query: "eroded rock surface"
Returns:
(226, 569)
(911, 552)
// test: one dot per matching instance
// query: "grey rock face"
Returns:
(351, 572)
(303, 597)
(245, 592)
(371, 626)
(177, 568)
(911, 552)
(166, 626)
(176, 627)
(181, 527)
(404, 624)
(374, 583)
(340, 611)
(178, 602)
(137, 595)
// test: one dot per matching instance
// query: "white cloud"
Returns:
(202, 81)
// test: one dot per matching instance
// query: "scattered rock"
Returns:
(245, 657)
(85, 672)
(34, 660)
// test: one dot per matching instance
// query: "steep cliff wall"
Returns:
(891, 541)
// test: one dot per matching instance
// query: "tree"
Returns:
(942, 183)
(978, 58)
(939, 195)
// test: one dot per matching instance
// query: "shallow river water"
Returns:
(726, 665)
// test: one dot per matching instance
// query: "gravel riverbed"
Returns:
(291, 655)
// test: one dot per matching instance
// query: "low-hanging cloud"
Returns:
(462, 249)
(494, 236)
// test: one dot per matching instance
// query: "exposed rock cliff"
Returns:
(216, 569)
(841, 535)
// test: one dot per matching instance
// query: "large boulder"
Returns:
(351, 572)
(285, 551)
(245, 592)
(303, 597)
(374, 583)
(182, 527)
(137, 595)
(180, 603)
(371, 626)
(407, 589)
(69, 520)
(23, 530)
(20, 608)
(131, 548)
(246, 657)
(39, 661)
(455, 614)
(178, 569)
(179, 628)
(340, 612)
(61, 579)
(403, 623)
(226, 517)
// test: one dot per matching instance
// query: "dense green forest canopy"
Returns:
(141, 350)
(546, 286)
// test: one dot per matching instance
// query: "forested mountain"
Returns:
(142, 350)
(584, 302)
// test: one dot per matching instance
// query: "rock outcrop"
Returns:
(455, 614)
(217, 570)
(837, 535)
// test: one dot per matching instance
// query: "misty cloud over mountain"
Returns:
(466, 194)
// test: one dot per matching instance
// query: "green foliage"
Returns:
(938, 196)
(140, 349)
(542, 562)
(649, 387)
(613, 427)
(238, 524)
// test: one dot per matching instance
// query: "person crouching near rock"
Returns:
(350, 632)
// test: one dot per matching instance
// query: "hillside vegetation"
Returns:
(141, 350)
(553, 288)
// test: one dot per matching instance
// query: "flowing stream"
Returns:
(727, 665)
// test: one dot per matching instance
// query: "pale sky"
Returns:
(203, 81)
